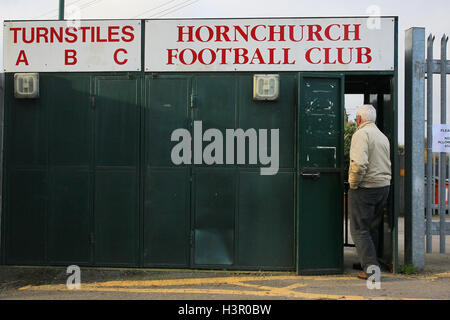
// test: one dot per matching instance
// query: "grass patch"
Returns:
(408, 269)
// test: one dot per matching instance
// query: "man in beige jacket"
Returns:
(369, 178)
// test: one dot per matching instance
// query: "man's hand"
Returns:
(353, 186)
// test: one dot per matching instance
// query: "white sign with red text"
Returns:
(303, 44)
(56, 46)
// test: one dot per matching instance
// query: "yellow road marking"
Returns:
(154, 286)
(278, 292)
(435, 276)
(218, 280)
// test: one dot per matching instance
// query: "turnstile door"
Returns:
(116, 220)
(320, 173)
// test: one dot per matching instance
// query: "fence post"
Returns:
(2, 114)
(414, 147)
(430, 178)
(443, 156)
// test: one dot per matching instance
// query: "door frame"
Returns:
(339, 155)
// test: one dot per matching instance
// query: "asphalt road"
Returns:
(50, 283)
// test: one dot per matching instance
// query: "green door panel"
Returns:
(116, 121)
(215, 101)
(70, 120)
(116, 209)
(167, 111)
(279, 114)
(266, 220)
(166, 221)
(213, 198)
(214, 216)
(320, 244)
(69, 216)
(27, 217)
(27, 128)
(320, 173)
(116, 223)
(166, 217)
(70, 133)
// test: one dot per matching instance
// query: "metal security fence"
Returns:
(420, 196)
(436, 194)
(2, 86)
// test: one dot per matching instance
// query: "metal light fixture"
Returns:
(266, 86)
(26, 85)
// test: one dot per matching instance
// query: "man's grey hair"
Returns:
(367, 113)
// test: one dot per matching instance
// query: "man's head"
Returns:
(365, 113)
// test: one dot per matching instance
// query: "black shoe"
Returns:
(385, 267)
(357, 266)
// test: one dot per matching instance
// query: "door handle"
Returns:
(314, 176)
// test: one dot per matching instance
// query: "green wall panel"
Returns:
(166, 217)
(27, 204)
(68, 100)
(214, 216)
(215, 101)
(166, 221)
(26, 122)
(116, 215)
(116, 221)
(266, 220)
(116, 121)
(69, 216)
(279, 114)
(167, 110)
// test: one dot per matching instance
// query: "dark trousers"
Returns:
(366, 207)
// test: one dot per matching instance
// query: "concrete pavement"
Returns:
(50, 283)
(101, 283)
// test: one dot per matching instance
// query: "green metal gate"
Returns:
(90, 181)
(215, 216)
(72, 172)
(116, 167)
(320, 173)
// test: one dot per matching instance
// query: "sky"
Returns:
(431, 14)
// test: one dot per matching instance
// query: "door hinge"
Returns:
(191, 238)
(93, 101)
(91, 238)
(193, 100)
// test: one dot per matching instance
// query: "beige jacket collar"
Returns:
(365, 124)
